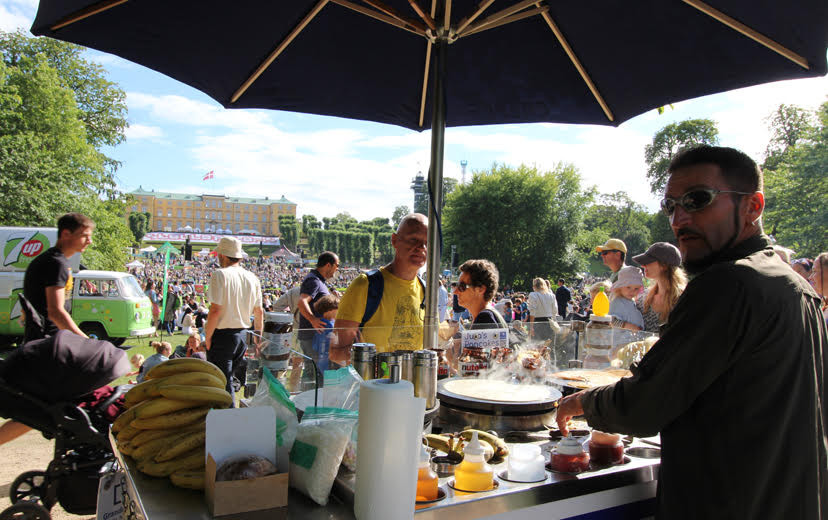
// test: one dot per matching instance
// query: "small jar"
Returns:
(598, 345)
(443, 369)
(473, 361)
(606, 449)
(569, 456)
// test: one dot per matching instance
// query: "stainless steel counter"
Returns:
(629, 485)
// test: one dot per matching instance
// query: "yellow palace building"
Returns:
(205, 213)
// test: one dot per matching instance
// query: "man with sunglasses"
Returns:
(736, 384)
(613, 254)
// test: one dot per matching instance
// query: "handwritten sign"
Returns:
(486, 339)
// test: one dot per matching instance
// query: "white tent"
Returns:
(136, 264)
(148, 249)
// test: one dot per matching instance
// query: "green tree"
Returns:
(56, 113)
(616, 215)
(789, 125)
(796, 189)
(672, 139)
(660, 230)
(399, 213)
(289, 229)
(524, 220)
(139, 225)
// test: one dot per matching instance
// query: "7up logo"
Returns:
(21, 247)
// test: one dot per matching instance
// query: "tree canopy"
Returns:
(56, 112)
(522, 219)
(672, 139)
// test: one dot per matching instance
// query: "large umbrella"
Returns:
(422, 64)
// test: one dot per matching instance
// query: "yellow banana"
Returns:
(149, 449)
(149, 389)
(160, 406)
(125, 448)
(123, 420)
(182, 444)
(189, 461)
(181, 365)
(189, 479)
(127, 433)
(148, 435)
(199, 394)
(438, 442)
(172, 420)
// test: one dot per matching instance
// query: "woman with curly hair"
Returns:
(661, 264)
(475, 289)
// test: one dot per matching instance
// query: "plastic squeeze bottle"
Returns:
(473, 474)
(600, 306)
(426, 478)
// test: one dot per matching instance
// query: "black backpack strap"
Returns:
(423, 284)
(376, 284)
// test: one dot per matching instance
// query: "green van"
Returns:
(105, 304)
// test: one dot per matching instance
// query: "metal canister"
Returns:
(425, 376)
(383, 362)
(406, 358)
(362, 358)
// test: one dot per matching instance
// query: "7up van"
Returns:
(105, 304)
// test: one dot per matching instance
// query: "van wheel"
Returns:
(117, 341)
(94, 330)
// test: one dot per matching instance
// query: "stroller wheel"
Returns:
(25, 511)
(29, 487)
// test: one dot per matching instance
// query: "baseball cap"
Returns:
(229, 246)
(627, 276)
(663, 252)
(613, 244)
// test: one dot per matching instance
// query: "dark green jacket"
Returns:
(736, 386)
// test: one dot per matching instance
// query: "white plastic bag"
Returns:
(270, 392)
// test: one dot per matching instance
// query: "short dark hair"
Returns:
(740, 171)
(326, 303)
(482, 273)
(561, 281)
(73, 221)
(328, 257)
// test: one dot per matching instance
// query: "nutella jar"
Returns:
(598, 344)
(473, 361)
(443, 369)
(569, 456)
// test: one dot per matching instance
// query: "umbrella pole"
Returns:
(435, 182)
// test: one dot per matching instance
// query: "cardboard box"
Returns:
(235, 432)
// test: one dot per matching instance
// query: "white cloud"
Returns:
(109, 60)
(16, 15)
(136, 131)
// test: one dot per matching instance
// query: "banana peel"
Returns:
(501, 450)
(452, 445)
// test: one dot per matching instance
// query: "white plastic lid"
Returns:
(570, 446)
(605, 319)
(524, 451)
(425, 456)
(474, 447)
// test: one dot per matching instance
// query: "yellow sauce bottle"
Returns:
(426, 478)
(600, 305)
(473, 474)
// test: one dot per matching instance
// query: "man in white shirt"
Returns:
(234, 295)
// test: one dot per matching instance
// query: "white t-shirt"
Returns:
(542, 305)
(238, 291)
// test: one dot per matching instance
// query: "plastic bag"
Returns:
(270, 392)
(321, 441)
(341, 389)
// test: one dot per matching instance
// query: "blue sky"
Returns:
(327, 165)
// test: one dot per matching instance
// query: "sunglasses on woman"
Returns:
(462, 286)
(694, 200)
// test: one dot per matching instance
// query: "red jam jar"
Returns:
(569, 456)
(606, 449)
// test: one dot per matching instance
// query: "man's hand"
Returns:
(317, 323)
(569, 407)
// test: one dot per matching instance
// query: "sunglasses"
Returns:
(608, 251)
(462, 286)
(695, 200)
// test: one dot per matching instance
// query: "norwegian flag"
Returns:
(208, 175)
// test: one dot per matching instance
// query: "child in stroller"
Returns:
(56, 385)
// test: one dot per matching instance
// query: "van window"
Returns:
(109, 288)
(88, 288)
(132, 289)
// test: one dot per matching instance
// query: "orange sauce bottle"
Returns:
(426, 478)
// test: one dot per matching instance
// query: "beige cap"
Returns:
(613, 244)
(229, 246)
(628, 276)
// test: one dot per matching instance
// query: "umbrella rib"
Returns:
(380, 6)
(379, 16)
(575, 61)
(520, 6)
(749, 32)
(275, 54)
(482, 6)
(447, 17)
(422, 14)
(427, 66)
(86, 12)
(509, 19)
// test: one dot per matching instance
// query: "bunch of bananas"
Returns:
(494, 448)
(163, 428)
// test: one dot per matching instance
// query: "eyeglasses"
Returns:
(695, 200)
(462, 286)
(608, 251)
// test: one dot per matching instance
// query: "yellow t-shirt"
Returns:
(398, 322)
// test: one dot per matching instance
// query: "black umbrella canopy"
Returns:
(598, 62)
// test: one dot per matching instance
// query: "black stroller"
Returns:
(42, 385)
